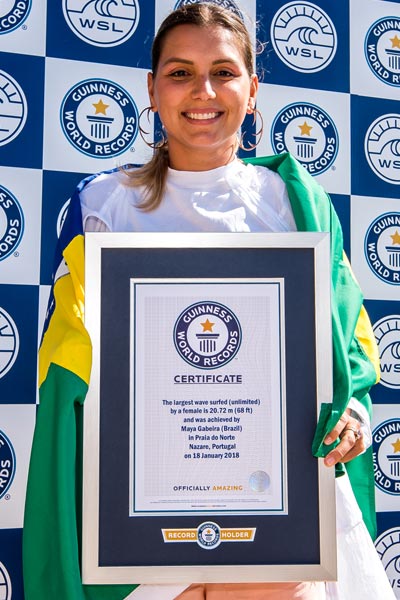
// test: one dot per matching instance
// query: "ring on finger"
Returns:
(357, 432)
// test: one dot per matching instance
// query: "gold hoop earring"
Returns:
(258, 134)
(161, 143)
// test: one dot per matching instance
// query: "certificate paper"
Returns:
(207, 416)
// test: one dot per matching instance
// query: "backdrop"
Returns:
(72, 83)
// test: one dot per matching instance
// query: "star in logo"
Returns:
(100, 107)
(207, 326)
(395, 41)
(396, 237)
(305, 128)
(396, 445)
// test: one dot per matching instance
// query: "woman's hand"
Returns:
(351, 444)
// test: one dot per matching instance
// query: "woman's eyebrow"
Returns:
(185, 61)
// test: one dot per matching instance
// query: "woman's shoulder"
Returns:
(262, 178)
(105, 180)
(105, 194)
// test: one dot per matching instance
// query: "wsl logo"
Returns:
(208, 535)
(386, 452)
(9, 342)
(382, 50)
(11, 223)
(5, 584)
(303, 37)
(307, 132)
(388, 548)
(382, 248)
(102, 22)
(7, 464)
(99, 118)
(382, 147)
(387, 335)
(13, 108)
(12, 14)
(228, 4)
(207, 335)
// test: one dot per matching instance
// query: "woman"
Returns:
(202, 85)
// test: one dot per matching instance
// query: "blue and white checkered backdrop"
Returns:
(72, 83)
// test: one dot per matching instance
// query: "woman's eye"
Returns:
(179, 73)
(225, 73)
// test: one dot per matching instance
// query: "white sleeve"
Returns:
(94, 224)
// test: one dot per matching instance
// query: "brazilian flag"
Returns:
(52, 526)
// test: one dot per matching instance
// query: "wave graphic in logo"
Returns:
(102, 22)
(387, 335)
(9, 342)
(388, 548)
(5, 584)
(382, 147)
(13, 108)
(303, 37)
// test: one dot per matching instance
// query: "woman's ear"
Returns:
(150, 89)
(253, 94)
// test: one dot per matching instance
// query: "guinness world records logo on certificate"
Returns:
(203, 343)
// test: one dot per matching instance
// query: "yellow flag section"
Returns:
(65, 341)
(52, 526)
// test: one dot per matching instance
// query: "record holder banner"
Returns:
(211, 357)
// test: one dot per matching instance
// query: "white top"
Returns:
(235, 197)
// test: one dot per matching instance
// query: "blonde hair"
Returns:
(152, 176)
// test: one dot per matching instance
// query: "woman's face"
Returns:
(202, 91)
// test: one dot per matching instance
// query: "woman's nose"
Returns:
(203, 89)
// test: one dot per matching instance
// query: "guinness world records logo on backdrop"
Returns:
(7, 464)
(382, 247)
(382, 49)
(11, 223)
(309, 133)
(99, 118)
(13, 14)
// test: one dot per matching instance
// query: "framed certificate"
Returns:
(211, 357)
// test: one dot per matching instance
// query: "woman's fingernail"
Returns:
(328, 440)
(329, 461)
